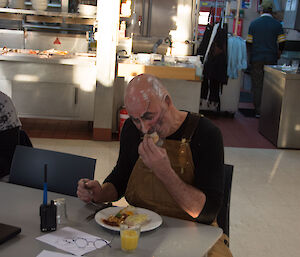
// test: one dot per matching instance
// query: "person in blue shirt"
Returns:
(265, 42)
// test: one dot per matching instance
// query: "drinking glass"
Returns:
(129, 237)
(295, 65)
(61, 214)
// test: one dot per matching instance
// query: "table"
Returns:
(20, 207)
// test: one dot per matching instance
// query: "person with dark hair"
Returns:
(179, 176)
(9, 133)
(265, 43)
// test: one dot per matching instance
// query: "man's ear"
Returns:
(168, 100)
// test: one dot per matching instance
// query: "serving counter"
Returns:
(280, 115)
(44, 86)
(180, 79)
(161, 70)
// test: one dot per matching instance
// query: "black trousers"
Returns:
(257, 81)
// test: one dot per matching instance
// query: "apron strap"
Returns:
(191, 126)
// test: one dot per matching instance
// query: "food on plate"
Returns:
(117, 219)
(33, 52)
(126, 215)
(61, 52)
(54, 52)
(137, 219)
(129, 210)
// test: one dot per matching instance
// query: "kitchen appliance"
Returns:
(17, 4)
(86, 9)
(3, 3)
(39, 5)
(292, 15)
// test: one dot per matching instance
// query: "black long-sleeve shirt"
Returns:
(208, 157)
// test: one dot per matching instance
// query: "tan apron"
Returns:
(145, 190)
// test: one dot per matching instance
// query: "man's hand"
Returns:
(154, 157)
(88, 190)
(189, 198)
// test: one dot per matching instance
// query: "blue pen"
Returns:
(45, 200)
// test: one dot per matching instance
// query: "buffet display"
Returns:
(45, 53)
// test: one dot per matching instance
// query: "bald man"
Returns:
(182, 177)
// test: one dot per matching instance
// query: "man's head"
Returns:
(267, 6)
(148, 104)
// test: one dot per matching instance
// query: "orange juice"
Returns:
(129, 239)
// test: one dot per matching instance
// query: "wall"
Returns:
(251, 14)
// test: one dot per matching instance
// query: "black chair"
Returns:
(64, 170)
(9, 139)
(223, 216)
(24, 138)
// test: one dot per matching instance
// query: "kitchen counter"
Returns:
(283, 71)
(280, 116)
(179, 78)
(57, 87)
(54, 59)
(163, 70)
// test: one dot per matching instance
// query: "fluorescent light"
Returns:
(26, 78)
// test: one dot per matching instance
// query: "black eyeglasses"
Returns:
(82, 243)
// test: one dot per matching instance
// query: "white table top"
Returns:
(20, 207)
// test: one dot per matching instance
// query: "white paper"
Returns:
(66, 238)
(46, 253)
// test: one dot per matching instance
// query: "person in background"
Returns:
(265, 42)
(185, 168)
(9, 133)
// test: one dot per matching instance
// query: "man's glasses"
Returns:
(83, 243)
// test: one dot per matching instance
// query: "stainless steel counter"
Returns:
(280, 107)
(68, 60)
(46, 13)
(283, 71)
(59, 87)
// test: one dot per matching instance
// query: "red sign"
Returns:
(201, 29)
(56, 42)
(239, 27)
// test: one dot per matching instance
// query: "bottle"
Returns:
(122, 31)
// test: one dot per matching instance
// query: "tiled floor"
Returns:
(241, 131)
(265, 210)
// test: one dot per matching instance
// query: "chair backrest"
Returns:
(64, 170)
(223, 216)
(9, 139)
(24, 138)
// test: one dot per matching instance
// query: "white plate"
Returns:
(154, 219)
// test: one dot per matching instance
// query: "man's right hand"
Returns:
(88, 190)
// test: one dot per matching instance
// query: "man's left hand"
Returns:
(154, 157)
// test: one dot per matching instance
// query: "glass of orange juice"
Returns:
(129, 237)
